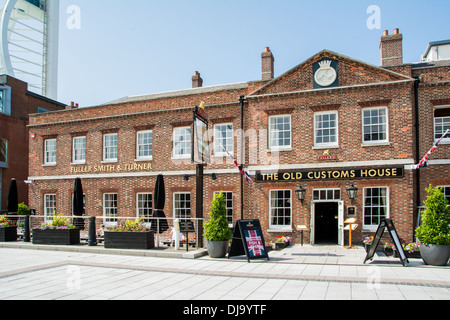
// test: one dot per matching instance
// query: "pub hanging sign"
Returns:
(330, 174)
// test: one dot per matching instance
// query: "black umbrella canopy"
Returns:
(13, 198)
(78, 205)
(78, 198)
(160, 200)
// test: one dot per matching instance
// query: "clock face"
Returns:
(325, 76)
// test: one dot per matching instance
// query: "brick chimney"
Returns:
(391, 48)
(197, 81)
(267, 64)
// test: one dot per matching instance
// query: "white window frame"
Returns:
(187, 139)
(320, 145)
(386, 124)
(138, 145)
(178, 215)
(108, 218)
(229, 214)
(272, 226)
(49, 154)
(373, 227)
(219, 139)
(106, 148)
(76, 148)
(4, 164)
(139, 209)
(437, 136)
(445, 188)
(49, 211)
(328, 193)
(274, 133)
(6, 103)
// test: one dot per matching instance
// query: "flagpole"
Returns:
(242, 101)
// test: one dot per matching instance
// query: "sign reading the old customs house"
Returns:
(330, 174)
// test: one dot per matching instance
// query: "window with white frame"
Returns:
(2, 102)
(326, 194)
(50, 151)
(326, 129)
(110, 208)
(446, 190)
(280, 132)
(3, 152)
(223, 137)
(5, 100)
(228, 205)
(441, 123)
(182, 142)
(110, 147)
(144, 145)
(182, 205)
(49, 205)
(79, 150)
(144, 205)
(376, 206)
(280, 209)
(375, 122)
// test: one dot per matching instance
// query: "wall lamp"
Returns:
(212, 175)
(300, 192)
(352, 192)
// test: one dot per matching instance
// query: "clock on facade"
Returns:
(325, 74)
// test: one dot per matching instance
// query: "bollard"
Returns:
(92, 236)
(26, 229)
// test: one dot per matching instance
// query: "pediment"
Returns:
(328, 69)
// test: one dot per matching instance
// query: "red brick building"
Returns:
(327, 124)
(16, 104)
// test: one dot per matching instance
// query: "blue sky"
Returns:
(126, 48)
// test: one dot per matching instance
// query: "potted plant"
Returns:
(130, 235)
(367, 241)
(434, 232)
(217, 232)
(57, 232)
(412, 250)
(389, 249)
(282, 242)
(8, 230)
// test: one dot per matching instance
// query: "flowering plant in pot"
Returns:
(131, 234)
(434, 231)
(59, 231)
(217, 232)
(8, 229)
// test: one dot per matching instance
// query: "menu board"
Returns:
(248, 240)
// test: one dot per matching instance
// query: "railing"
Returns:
(93, 228)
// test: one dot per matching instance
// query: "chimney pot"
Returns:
(197, 81)
(396, 31)
(267, 64)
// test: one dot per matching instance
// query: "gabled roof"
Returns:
(351, 72)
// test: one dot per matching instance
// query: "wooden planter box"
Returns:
(8, 234)
(129, 240)
(56, 237)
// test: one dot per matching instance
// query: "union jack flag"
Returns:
(241, 170)
(424, 162)
(254, 243)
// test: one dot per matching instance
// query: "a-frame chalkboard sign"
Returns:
(248, 240)
(387, 223)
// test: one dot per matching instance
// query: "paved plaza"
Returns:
(30, 272)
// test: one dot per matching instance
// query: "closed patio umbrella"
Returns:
(160, 200)
(13, 198)
(78, 205)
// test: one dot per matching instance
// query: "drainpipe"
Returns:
(242, 101)
(416, 102)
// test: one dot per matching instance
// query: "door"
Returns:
(341, 223)
(311, 223)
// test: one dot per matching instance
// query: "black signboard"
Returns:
(387, 223)
(248, 240)
(187, 226)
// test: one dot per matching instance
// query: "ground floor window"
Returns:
(182, 205)
(49, 205)
(280, 209)
(144, 205)
(375, 206)
(326, 194)
(110, 207)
